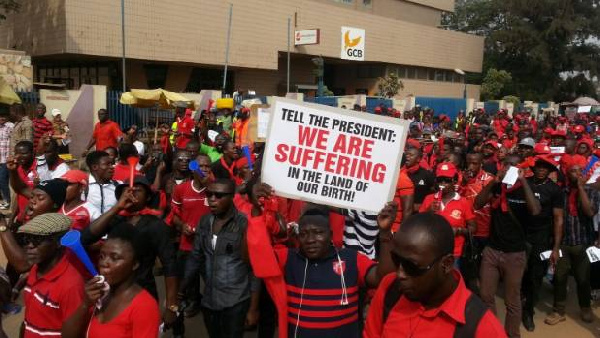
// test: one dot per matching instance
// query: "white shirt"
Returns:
(140, 147)
(101, 196)
(45, 173)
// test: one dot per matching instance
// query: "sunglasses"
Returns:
(412, 269)
(218, 195)
(34, 240)
(444, 180)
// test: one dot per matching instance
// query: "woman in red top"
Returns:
(457, 210)
(127, 310)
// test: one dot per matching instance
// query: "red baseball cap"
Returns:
(578, 129)
(411, 142)
(76, 176)
(548, 158)
(446, 169)
(541, 149)
(377, 109)
(549, 130)
(492, 143)
(559, 133)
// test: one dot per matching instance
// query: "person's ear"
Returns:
(448, 263)
(136, 265)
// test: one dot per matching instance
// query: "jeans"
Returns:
(536, 269)
(509, 266)
(574, 260)
(227, 323)
(4, 189)
(192, 294)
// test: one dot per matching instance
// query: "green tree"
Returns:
(8, 6)
(512, 99)
(389, 86)
(537, 41)
(493, 84)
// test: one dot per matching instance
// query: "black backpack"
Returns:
(475, 309)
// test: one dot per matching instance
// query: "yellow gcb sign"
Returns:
(353, 44)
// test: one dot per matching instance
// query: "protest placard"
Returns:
(333, 156)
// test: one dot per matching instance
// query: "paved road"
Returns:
(572, 328)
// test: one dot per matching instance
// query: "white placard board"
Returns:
(333, 156)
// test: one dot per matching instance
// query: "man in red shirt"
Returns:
(184, 129)
(189, 203)
(426, 297)
(54, 288)
(448, 203)
(41, 126)
(106, 133)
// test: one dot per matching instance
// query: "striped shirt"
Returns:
(5, 131)
(41, 127)
(579, 229)
(360, 232)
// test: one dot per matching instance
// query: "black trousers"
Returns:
(535, 271)
(226, 323)
(267, 322)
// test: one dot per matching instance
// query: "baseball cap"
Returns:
(578, 129)
(446, 169)
(76, 176)
(492, 143)
(137, 180)
(548, 159)
(46, 225)
(56, 112)
(549, 130)
(528, 141)
(559, 133)
(541, 149)
(55, 188)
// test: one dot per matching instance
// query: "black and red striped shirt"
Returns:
(315, 292)
(41, 127)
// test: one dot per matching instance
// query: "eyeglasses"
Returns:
(411, 268)
(217, 195)
(34, 240)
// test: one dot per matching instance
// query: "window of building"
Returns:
(367, 3)
(411, 72)
(370, 71)
(422, 73)
(156, 75)
(348, 2)
(402, 72)
(439, 75)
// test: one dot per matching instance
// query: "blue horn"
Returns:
(196, 168)
(246, 151)
(72, 241)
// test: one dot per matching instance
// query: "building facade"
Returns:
(180, 45)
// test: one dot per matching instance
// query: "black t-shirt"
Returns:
(155, 242)
(423, 180)
(550, 196)
(506, 230)
(490, 167)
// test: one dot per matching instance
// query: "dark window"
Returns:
(422, 73)
(156, 75)
(411, 73)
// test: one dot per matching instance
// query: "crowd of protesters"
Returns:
(191, 208)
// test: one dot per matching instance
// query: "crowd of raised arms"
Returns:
(486, 199)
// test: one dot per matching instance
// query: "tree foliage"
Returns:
(389, 86)
(493, 83)
(8, 6)
(540, 42)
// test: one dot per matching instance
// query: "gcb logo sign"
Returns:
(353, 44)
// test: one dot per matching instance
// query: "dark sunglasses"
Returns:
(412, 269)
(444, 180)
(34, 240)
(217, 195)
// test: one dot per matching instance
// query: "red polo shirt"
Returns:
(185, 130)
(404, 187)
(411, 319)
(51, 299)
(106, 134)
(122, 173)
(190, 205)
(457, 212)
(81, 216)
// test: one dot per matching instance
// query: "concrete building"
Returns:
(180, 45)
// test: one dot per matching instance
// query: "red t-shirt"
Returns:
(141, 319)
(404, 187)
(81, 216)
(439, 322)
(122, 172)
(190, 205)
(27, 176)
(51, 299)
(106, 134)
(457, 212)
(185, 129)
(483, 215)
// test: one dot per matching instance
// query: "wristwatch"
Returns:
(174, 308)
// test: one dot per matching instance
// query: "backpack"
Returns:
(475, 309)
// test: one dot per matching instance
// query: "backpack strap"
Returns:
(475, 309)
(392, 295)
